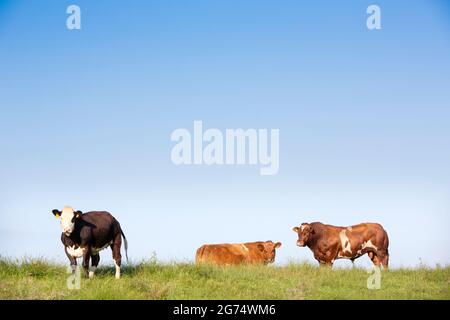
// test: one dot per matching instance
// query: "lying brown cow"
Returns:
(239, 253)
(329, 243)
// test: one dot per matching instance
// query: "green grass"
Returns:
(40, 279)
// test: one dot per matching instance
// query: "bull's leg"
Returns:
(383, 258)
(353, 263)
(116, 254)
(386, 262)
(375, 259)
(95, 260)
(86, 257)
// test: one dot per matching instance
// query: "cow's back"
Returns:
(98, 217)
(220, 254)
(103, 225)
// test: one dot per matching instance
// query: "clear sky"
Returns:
(364, 119)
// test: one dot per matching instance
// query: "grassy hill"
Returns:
(40, 279)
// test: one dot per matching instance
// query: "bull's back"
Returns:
(370, 228)
(373, 232)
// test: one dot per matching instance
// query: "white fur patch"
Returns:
(92, 272)
(117, 270)
(244, 247)
(345, 242)
(368, 244)
(76, 253)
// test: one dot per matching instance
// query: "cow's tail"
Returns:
(125, 243)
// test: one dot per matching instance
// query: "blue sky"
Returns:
(364, 119)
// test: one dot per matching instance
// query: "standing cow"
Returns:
(84, 235)
(329, 243)
(261, 252)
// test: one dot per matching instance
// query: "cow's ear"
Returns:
(277, 245)
(78, 213)
(56, 213)
(312, 230)
(261, 247)
(295, 229)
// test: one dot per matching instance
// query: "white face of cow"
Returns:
(305, 232)
(67, 217)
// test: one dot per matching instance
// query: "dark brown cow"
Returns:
(239, 253)
(84, 235)
(329, 243)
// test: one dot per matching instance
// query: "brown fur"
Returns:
(235, 254)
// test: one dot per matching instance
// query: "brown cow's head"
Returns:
(305, 231)
(68, 217)
(268, 249)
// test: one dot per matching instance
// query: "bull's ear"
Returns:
(295, 229)
(312, 231)
(78, 213)
(260, 247)
(56, 213)
(277, 245)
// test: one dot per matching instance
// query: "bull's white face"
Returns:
(67, 217)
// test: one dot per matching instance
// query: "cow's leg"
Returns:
(95, 260)
(375, 259)
(386, 262)
(353, 262)
(73, 260)
(383, 258)
(117, 242)
(327, 264)
(86, 258)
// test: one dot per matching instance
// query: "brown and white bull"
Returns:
(261, 252)
(329, 243)
(84, 235)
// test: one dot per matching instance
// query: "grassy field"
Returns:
(39, 279)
